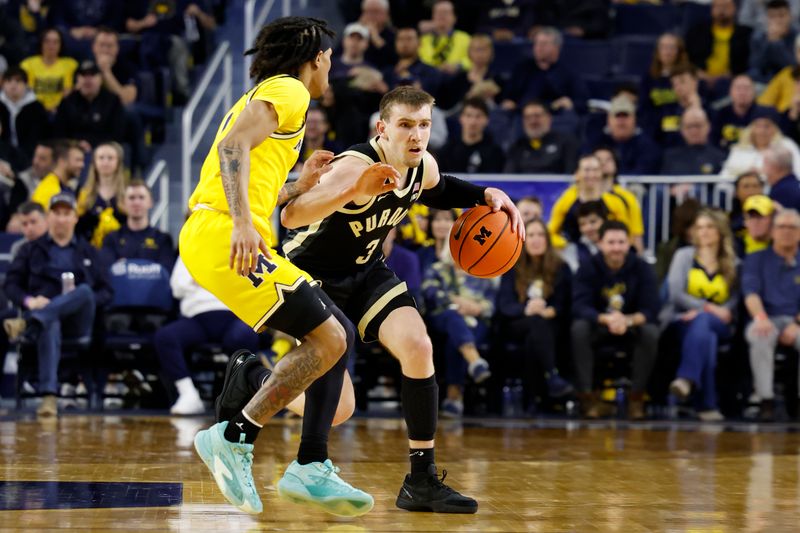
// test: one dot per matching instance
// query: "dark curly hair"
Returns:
(284, 45)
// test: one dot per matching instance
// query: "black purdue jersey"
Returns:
(351, 238)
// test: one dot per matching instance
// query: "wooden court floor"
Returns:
(129, 473)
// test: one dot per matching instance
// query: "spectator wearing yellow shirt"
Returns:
(608, 166)
(50, 75)
(563, 225)
(64, 177)
(719, 48)
(444, 47)
(782, 87)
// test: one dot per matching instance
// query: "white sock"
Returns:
(185, 386)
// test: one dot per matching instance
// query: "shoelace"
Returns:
(247, 468)
(333, 470)
(439, 482)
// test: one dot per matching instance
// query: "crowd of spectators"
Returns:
(717, 97)
(96, 72)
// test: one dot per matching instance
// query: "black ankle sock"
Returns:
(257, 376)
(240, 425)
(420, 459)
(313, 449)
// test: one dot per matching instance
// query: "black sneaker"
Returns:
(427, 492)
(236, 390)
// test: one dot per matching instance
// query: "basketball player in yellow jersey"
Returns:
(223, 245)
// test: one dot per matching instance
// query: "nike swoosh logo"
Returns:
(221, 470)
(240, 425)
(410, 497)
(457, 235)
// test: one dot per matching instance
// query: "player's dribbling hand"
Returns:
(497, 200)
(246, 243)
(378, 178)
(314, 167)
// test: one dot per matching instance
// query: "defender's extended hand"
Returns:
(246, 243)
(314, 167)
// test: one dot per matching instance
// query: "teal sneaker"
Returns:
(231, 464)
(319, 485)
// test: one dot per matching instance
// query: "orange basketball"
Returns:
(482, 242)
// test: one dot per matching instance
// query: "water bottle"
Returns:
(620, 401)
(672, 407)
(67, 282)
(516, 397)
(508, 400)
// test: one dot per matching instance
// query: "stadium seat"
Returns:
(142, 303)
(507, 54)
(692, 13)
(587, 58)
(634, 54)
(646, 19)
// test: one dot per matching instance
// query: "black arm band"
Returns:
(452, 192)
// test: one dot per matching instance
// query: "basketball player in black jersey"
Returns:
(337, 236)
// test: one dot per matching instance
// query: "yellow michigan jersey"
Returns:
(205, 238)
(565, 207)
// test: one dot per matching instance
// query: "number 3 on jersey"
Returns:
(371, 247)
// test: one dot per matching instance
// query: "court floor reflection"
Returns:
(541, 476)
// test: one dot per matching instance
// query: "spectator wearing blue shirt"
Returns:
(137, 239)
(52, 308)
(772, 48)
(635, 151)
(696, 156)
(664, 124)
(409, 69)
(375, 16)
(771, 289)
(355, 41)
(543, 77)
(777, 169)
(730, 120)
(474, 151)
(614, 303)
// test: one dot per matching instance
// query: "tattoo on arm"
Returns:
(230, 162)
(288, 192)
(293, 374)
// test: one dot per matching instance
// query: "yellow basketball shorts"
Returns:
(277, 295)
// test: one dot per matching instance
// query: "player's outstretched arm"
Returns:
(314, 167)
(255, 123)
(349, 180)
(447, 192)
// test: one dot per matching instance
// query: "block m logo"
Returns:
(481, 237)
(263, 264)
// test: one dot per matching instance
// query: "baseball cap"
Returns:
(622, 104)
(765, 112)
(760, 204)
(63, 198)
(355, 27)
(88, 67)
